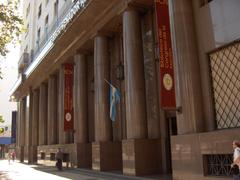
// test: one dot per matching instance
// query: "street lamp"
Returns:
(120, 71)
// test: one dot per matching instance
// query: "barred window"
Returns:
(225, 73)
(217, 164)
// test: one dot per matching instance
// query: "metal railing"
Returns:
(64, 11)
(51, 28)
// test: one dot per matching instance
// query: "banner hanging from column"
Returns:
(167, 86)
(68, 97)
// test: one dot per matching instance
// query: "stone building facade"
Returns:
(116, 40)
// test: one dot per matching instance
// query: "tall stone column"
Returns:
(43, 114)
(63, 136)
(22, 128)
(134, 148)
(35, 118)
(134, 76)
(35, 123)
(29, 120)
(188, 91)
(52, 111)
(80, 99)
(106, 155)
(101, 72)
(80, 96)
(151, 76)
(18, 124)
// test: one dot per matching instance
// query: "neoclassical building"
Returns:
(73, 49)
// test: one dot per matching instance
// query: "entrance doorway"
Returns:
(171, 127)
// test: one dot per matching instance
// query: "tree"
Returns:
(10, 24)
(1, 121)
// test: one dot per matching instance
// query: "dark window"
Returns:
(46, 20)
(38, 33)
(52, 157)
(42, 155)
(40, 11)
(65, 157)
(28, 10)
(56, 8)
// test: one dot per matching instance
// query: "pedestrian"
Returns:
(59, 158)
(13, 156)
(9, 157)
(236, 160)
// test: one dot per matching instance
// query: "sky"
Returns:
(9, 70)
(9, 73)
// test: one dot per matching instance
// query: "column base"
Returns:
(140, 156)
(107, 156)
(32, 155)
(84, 155)
(21, 153)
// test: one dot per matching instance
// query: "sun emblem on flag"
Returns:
(167, 82)
(68, 116)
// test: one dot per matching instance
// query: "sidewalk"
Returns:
(19, 171)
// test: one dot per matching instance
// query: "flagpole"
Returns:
(108, 83)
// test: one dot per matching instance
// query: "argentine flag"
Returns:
(114, 99)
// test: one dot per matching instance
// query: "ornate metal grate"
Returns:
(225, 72)
(218, 164)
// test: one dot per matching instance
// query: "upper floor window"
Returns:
(46, 23)
(38, 36)
(46, 20)
(28, 10)
(56, 8)
(39, 10)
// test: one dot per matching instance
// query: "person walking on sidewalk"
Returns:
(59, 158)
(9, 156)
(13, 155)
(236, 160)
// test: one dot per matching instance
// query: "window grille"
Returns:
(225, 73)
(42, 156)
(52, 157)
(218, 164)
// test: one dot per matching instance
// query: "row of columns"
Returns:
(43, 122)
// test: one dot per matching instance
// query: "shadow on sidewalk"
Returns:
(94, 175)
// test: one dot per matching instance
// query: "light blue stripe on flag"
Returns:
(114, 99)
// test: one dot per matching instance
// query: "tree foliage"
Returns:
(10, 24)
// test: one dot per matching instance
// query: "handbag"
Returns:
(235, 169)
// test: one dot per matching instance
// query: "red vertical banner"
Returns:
(68, 97)
(167, 86)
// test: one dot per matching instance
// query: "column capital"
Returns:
(81, 51)
(103, 33)
(138, 6)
